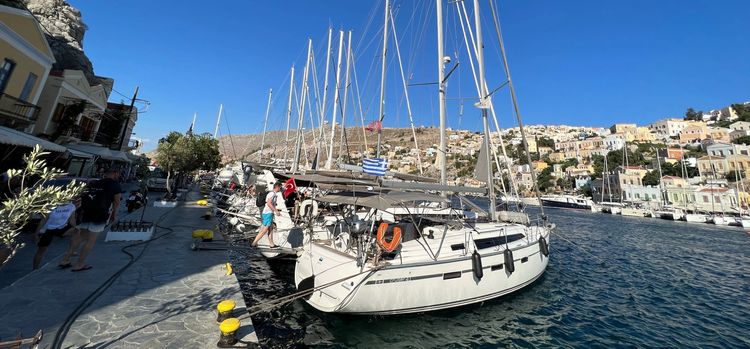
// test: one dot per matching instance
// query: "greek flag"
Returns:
(375, 166)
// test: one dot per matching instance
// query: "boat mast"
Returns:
(483, 106)
(218, 120)
(381, 111)
(265, 123)
(346, 92)
(329, 160)
(441, 92)
(288, 113)
(325, 96)
(192, 125)
(305, 74)
(515, 101)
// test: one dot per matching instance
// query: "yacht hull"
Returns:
(696, 218)
(412, 287)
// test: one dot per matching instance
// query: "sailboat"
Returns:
(414, 264)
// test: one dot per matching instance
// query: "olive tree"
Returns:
(183, 154)
(29, 196)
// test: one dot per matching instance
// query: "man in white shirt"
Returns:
(268, 211)
(60, 222)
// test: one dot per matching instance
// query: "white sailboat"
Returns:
(410, 263)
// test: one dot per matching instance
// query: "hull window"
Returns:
(453, 275)
(496, 267)
(497, 241)
(457, 247)
(524, 259)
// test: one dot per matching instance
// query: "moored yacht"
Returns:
(697, 218)
(416, 264)
(567, 201)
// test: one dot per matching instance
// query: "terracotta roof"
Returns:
(713, 190)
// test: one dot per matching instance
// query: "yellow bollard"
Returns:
(228, 330)
(230, 271)
(224, 310)
(202, 202)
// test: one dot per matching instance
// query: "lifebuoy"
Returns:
(388, 246)
(303, 208)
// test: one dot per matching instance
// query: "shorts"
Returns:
(267, 219)
(93, 227)
(46, 238)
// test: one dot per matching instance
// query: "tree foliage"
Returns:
(30, 196)
(652, 178)
(693, 115)
(742, 140)
(545, 142)
(178, 153)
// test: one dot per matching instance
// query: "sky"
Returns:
(585, 62)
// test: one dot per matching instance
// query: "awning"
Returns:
(79, 154)
(13, 137)
(102, 152)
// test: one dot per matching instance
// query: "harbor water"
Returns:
(612, 281)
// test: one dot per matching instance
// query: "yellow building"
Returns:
(623, 128)
(539, 165)
(25, 62)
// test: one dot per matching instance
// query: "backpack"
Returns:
(94, 203)
(260, 200)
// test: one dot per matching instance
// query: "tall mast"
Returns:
(483, 106)
(192, 125)
(441, 92)
(288, 113)
(218, 120)
(515, 100)
(346, 91)
(305, 74)
(381, 111)
(329, 160)
(325, 96)
(265, 123)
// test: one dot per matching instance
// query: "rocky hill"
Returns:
(248, 146)
(65, 30)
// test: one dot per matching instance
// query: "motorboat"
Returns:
(697, 218)
(567, 201)
(633, 212)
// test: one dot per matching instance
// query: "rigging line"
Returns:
(514, 99)
(359, 102)
(231, 138)
(406, 93)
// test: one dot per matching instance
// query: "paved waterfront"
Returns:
(167, 298)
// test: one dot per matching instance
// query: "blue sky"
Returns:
(573, 62)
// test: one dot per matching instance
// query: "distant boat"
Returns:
(698, 218)
(633, 212)
(611, 207)
(721, 220)
(567, 201)
(671, 213)
(745, 221)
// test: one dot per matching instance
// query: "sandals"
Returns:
(64, 266)
(85, 267)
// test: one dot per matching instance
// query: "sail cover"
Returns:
(480, 171)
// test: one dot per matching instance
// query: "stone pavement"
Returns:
(166, 299)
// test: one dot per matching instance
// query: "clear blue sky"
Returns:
(573, 62)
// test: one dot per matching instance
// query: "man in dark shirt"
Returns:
(99, 206)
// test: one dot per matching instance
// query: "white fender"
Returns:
(304, 204)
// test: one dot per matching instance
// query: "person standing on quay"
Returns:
(99, 205)
(268, 211)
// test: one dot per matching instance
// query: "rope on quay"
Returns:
(62, 332)
(281, 301)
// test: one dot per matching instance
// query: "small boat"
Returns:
(611, 207)
(671, 213)
(745, 221)
(721, 220)
(698, 218)
(633, 212)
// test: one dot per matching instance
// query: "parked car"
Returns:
(157, 180)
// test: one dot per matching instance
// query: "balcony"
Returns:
(15, 113)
